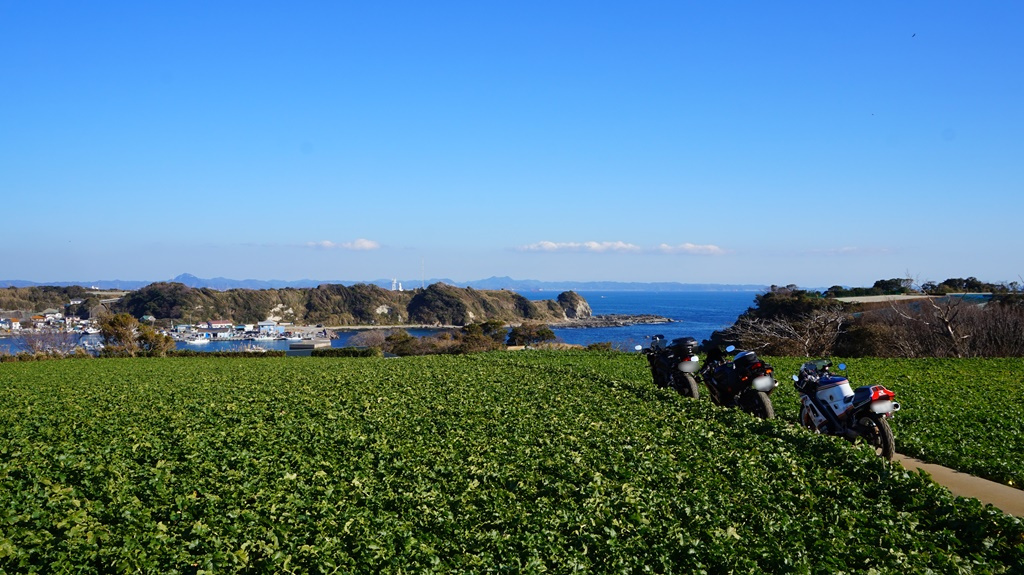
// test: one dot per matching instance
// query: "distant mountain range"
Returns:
(491, 283)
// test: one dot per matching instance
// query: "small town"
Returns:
(54, 324)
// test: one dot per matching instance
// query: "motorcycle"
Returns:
(673, 364)
(829, 405)
(745, 381)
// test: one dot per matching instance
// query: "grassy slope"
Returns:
(522, 462)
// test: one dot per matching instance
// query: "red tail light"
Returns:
(879, 392)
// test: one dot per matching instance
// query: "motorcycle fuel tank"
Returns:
(836, 393)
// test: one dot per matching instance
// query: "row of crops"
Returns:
(514, 462)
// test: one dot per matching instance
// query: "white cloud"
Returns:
(361, 244)
(693, 249)
(325, 245)
(623, 247)
(598, 247)
(850, 251)
(358, 244)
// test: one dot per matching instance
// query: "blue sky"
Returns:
(815, 143)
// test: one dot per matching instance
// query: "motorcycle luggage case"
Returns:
(685, 345)
(745, 359)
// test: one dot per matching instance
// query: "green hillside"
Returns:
(329, 304)
(339, 305)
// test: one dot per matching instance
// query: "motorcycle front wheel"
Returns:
(660, 379)
(876, 432)
(807, 420)
(686, 385)
(757, 404)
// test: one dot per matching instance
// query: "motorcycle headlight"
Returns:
(763, 383)
(688, 366)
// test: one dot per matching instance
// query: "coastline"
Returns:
(611, 320)
(607, 320)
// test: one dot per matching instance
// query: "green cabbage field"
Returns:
(524, 462)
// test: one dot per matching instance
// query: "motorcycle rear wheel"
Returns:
(757, 404)
(686, 385)
(876, 432)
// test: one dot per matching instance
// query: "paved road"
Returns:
(1004, 497)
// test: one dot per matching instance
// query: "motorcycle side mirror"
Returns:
(841, 366)
(730, 349)
(795, 378)
(638, 347)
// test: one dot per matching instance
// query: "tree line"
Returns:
(905, 286)
(947, 319)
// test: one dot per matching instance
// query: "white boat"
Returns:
(252, 348)
(93, 346)
(196, 341)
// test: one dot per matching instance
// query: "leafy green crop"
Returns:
(502, 462)
(967, 414)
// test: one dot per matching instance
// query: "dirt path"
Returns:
(1004, 497)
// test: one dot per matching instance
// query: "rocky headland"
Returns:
(610, 320)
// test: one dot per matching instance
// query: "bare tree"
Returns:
(998, 330)
(943, 325)
(370, 338)
(49, 340)
(948, 326)
(811, 334)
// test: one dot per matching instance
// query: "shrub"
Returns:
(530, 333)
(348, 352)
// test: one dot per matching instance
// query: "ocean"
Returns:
(695, 314)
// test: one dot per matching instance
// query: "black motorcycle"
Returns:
(745, 381)
(674, 364)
